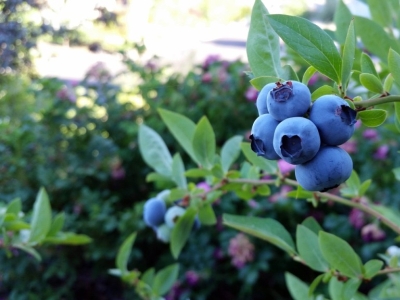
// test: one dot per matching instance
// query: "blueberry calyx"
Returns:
(348, 115)
(257, 146)
(291, 146)
(282, 92)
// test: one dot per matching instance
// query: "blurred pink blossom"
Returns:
(358, 124)
(284, 167)
(371, 232)
(350, 146)
(251, 94)
(281, 194)
(66, 93)
(210, 60)
(192, 277)
(382, 152)
(253, 204)
(370, 134)
(207, 77)
(357, 218)
(241, 250)
(204, 186)
(313, 79)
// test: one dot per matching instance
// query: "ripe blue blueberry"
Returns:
(154, 211)
(334, 119)
(288, 99)
(296, 140)
(262, 133)
(261, 102)
(328, 169)
(172, 215)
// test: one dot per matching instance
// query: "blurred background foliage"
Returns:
(78, 139)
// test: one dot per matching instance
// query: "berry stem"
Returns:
(388, 271)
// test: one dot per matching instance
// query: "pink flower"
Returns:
(350, 146)
(358, 124)
(281, 194)
(284, 167)
(210, 60)
(241, 250)
(357, 218)
(370, 134)
(192, 278)
(207, 77)
(313, 79)
(66, 93)
(251, 94)
(204, 186)
(372, 232)
(382, 152)
(253, 204)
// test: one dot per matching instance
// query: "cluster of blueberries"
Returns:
(305, 134)
(162, 219)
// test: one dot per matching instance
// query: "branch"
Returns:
(376, 101)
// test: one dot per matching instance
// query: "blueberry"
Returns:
(288, 99)
(262, 133)
(261, 102)
(163, 233)
(334, 119)
(172, 215)
(154, 211)
(328, 169)
(296, 140)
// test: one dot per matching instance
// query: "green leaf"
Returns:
(299, 193)
(348, 54)
(124, 252)
(176, 194)
(15, 225)
(342, 19)
(178, 171)
(68, 238)
(371, 82)
(181, 231)
(388, 83)
(182, 128)
(397, 111)
(340, 290)
(314, 284)
(165, 279)
(156, 177)
(269, 166)
(41, 218)
(196, 173)
(148, 276)
(230, 152)
(308, 248)
(394, 65)
(297, 288)
(396, 172)
(352, 185)
(262, 45)
(14, 207)
(367, 65)
(312, 224)
(308, 74)
(370, 32)
(207, 215)
(321, 91)
(260, 82)
(340, 255)
(263, 190)
(289, 73)
(312, 43)
(364, 187)
(380, 12)
(57, 224)
(29, 250)
(154, 151)
(263, 228)
(204, 143)
(372, 267)
(372, 117)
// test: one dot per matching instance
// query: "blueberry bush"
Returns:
(311, 129)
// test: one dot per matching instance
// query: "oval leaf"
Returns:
(207, 215)
(204, 143)
(261, 81)
(372, 267)
(262, 46)
(372, 117)
(312, 43)
(371, 82)
(394, 65)
(348, 55)
(297, 288)
(178, 171)
(308, 247)
(181, 231)
(263, 228)
(269, 166)
(340, 255)
(124, 251)
(165, 279)
(342, 20)
(308, 74)
(367, 65)
(321, 91)
(154, 151)
(230, 152)
(41, 218)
